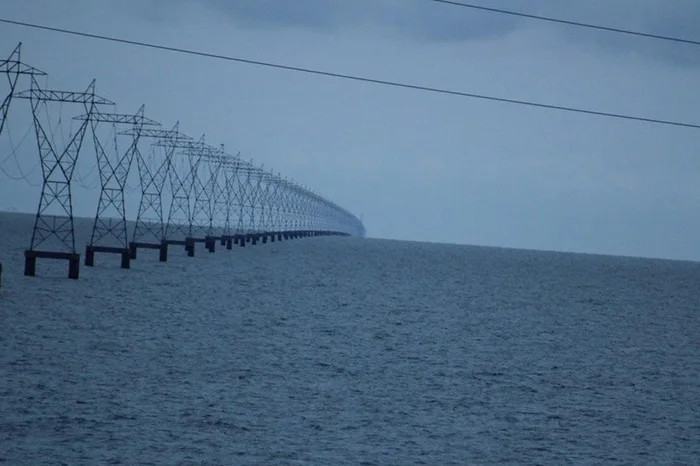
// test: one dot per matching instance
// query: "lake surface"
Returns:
(349, 351)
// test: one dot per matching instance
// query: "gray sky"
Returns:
(414, 165)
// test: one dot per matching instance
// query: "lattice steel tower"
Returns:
(109, 231)
(53, 225)
(154, 172)
(12, 68)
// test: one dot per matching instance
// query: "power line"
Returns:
(14, 148)
(356, 77)
(567, 22)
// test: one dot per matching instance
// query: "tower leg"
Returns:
(163, 252)
(126, 259)
(89, 256)
(163, 256)
(74, 267)
(132, 250)
(29, 264)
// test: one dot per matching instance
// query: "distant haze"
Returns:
(414, 165)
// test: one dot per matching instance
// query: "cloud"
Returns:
(418, 166)
(682, 20)
(420, 20)
(423, 20)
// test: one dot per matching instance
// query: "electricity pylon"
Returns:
(154, 172)
(109, 231)
(12, 68)
(53, 225)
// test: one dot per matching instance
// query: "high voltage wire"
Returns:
(354, 77)
(567, 22)
(13, 154)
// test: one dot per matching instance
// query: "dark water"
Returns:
(347, 351)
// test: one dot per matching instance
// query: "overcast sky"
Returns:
(416, 166)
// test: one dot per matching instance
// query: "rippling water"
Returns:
(349, 351)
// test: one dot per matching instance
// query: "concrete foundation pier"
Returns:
(30, 258)
(210, 244)
(189, 247)
(125, 254)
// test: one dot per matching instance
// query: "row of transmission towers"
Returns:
(190, 191)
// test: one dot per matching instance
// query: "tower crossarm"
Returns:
(254, 171)
(14, 65)
(119, 118)
(186, 144)
(63, 96)
(222, 158)
(17, 67)
(157, 133)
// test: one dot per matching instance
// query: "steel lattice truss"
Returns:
(114, 166)
(53, 226)
(219, 219)
(154, 172)
(269, 198)
(12, 68)
(248, 191)
(205, 166)
(180, 215)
